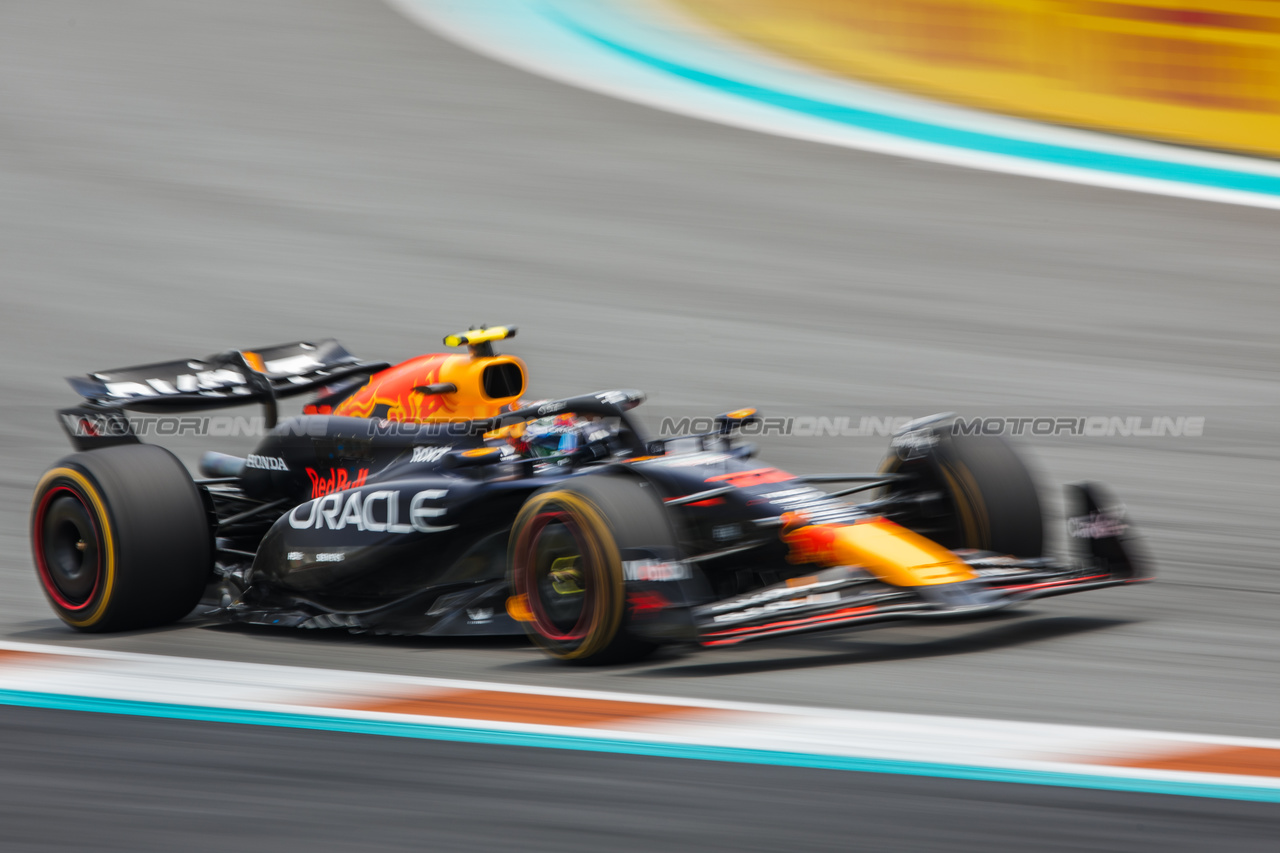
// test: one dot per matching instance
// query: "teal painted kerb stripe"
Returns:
(920, 131)
(426, 731)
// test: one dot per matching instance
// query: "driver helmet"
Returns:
(553, 435)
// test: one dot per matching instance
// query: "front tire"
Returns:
(120, 539)
(986, 498)
(566, 552)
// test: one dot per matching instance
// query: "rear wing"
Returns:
(232, 378)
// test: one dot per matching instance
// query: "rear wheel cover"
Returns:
(74, 546)
(121, 538)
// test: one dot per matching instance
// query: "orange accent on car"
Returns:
(741, 414)
(390, 394)
(792, 519)
(811, 544)
(511, 433)
(255, 361)
(891, 552)
(754, 477)
(518, 608)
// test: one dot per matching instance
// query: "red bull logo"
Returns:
(339, 479)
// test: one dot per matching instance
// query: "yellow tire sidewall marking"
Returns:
(975, 527)
(89, 490)
(969, 503)
(607, 620)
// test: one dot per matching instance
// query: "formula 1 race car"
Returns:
(426, 499)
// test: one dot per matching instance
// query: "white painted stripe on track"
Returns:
(451, 709)
(633, 50)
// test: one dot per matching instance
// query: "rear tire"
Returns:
(565, 558)
(988, 496)
(120, 539)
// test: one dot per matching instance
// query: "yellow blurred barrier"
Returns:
(1204, 73)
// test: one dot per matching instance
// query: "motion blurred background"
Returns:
(1204, 73)
(178, 178)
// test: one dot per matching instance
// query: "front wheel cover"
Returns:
(992, 497)
(590, 568)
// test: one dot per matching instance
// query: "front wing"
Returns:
(844, 596)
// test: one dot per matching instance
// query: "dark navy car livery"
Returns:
(427, 498)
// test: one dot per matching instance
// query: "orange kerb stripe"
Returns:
(522, 708)
(1236, 760)
(10, 656)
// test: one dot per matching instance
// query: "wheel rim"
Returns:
(942, 519)
(69, 553)
(557, 568)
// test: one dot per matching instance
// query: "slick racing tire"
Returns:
(565, 559)
(970, 491)
(120, 539)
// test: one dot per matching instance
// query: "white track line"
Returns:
(449, 709)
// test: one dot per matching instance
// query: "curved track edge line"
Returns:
(738, 755)
(560, 43)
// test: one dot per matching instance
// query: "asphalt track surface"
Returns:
(177, 178)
